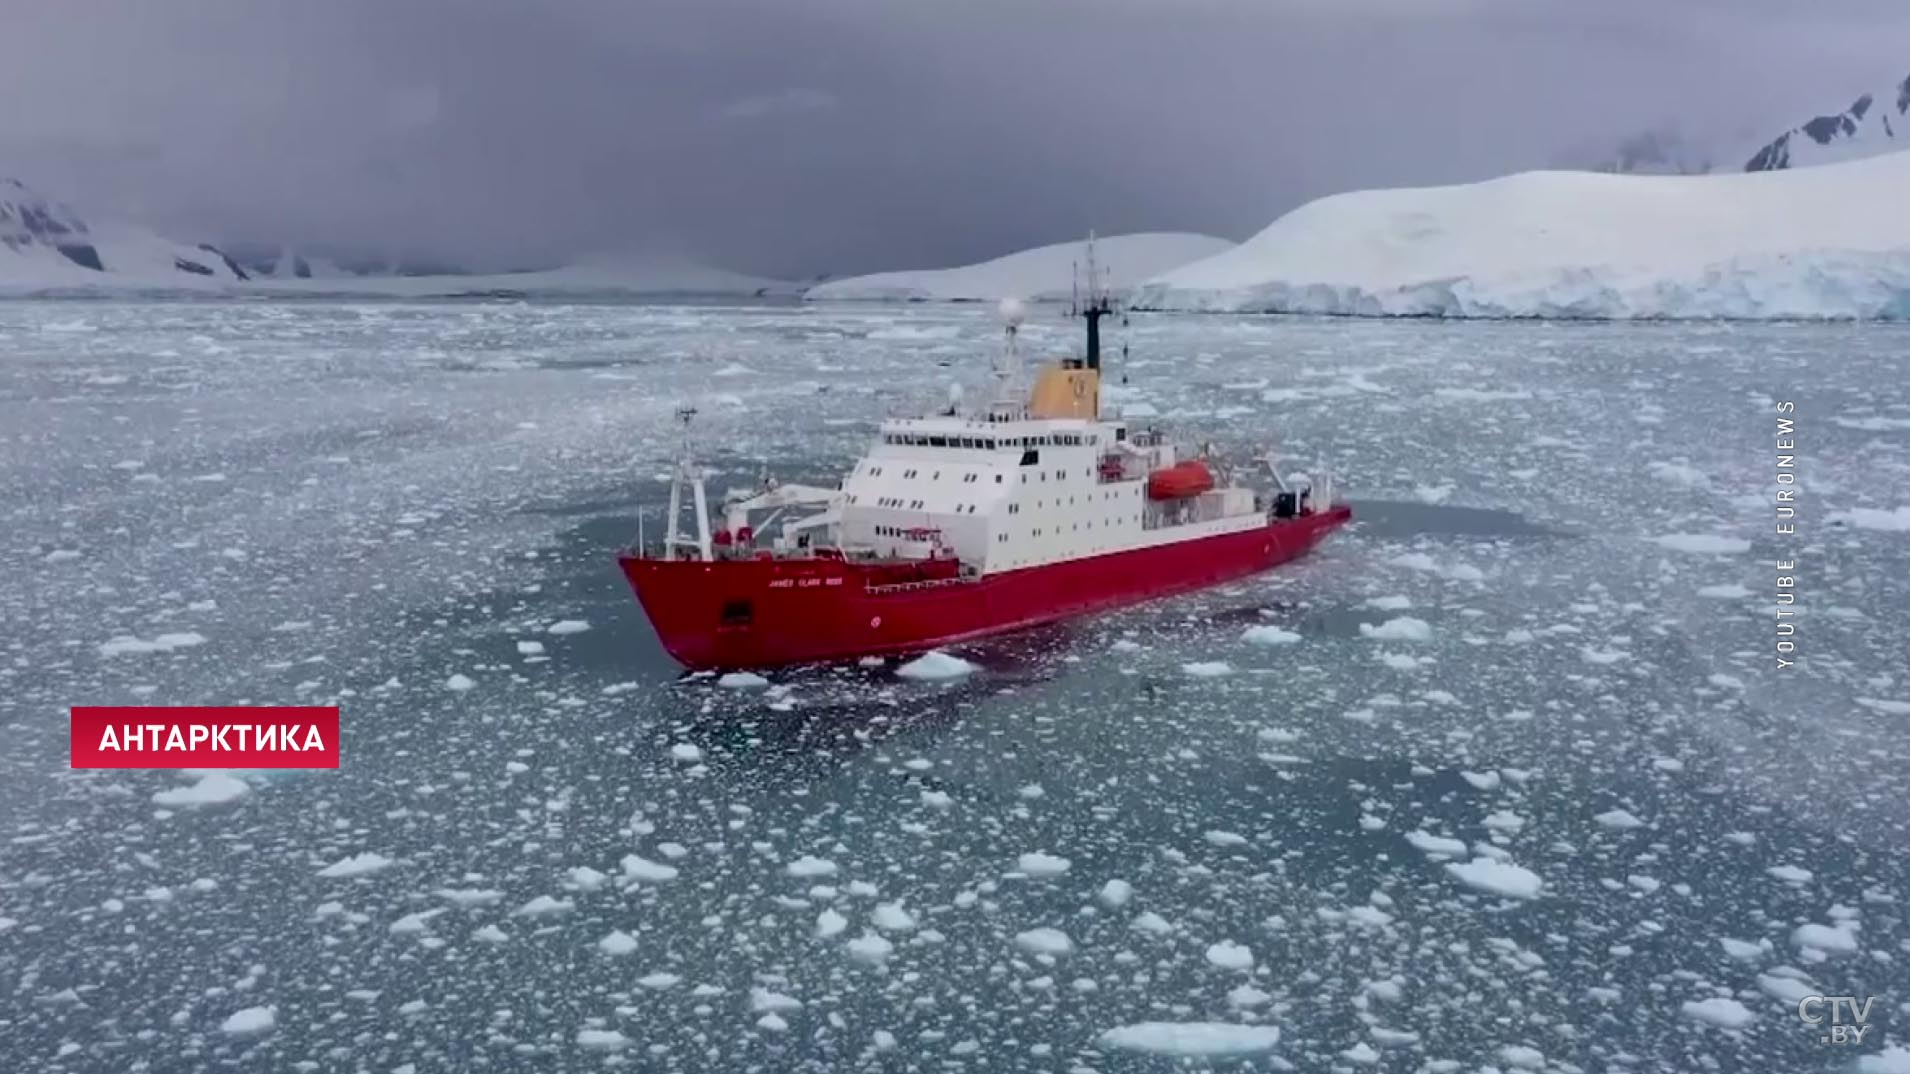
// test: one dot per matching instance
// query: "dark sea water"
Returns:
(1543, 658)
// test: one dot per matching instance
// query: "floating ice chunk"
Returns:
(460, 683)
(1784, 987)
(1741, 950)
(773, 1023)
(250, 1022)
(569, 626)
(213, 788)
(1361, 1053)
(1718, 1011)
(1618, 820)
(617, 944)
(1870, 518)
(1044, 941)
(1229, 955)
(1504, 820)
(1497, 877)
(1703, 543)
(1521, 1057)
(1732, 591)
(1436, 845)
(491, 934)
(741, 680)
(1039, 864)
(1246, 996)
(1485, 781)
(127, 644)
(602, 1040)
(934, 665)
(357, 865)
(584, 878)
(1207, 669)
(830, 923)
(1193, 1039)
(762, 1000)
(1269, 635)
(1790, 874)
(544, 906)
(1892, 1060)
(414, 922)
(808, 866)
(640, 868)
(658, 981)
(1224, 839)
(686, 753)
(1838, 940)
(1149, 921)
(1887, 707)
(1116, 893)
(530, 648)
(870, 947)
(1399, 628)
(890, 917)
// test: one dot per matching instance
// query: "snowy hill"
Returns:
(1829, 242)
(1877, 122)
(1041, 274)
(46, 246)
(631, 275)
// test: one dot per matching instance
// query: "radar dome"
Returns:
(1013, 312)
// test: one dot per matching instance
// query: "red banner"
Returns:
(205, 737)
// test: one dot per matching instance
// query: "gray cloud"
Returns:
(847, 135)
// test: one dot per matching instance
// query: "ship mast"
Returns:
(1096, 305)
(1008, 404)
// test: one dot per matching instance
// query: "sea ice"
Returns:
(1718, 1011)
(1497, 877)
(249, 1022)
(935, 665)
(1044, 941)
(356, 865)
(213, 788)
(1190, 1039)
(1269, 635)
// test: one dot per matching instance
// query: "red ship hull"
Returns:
(760, 613)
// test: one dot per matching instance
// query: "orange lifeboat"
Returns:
(1180, 481)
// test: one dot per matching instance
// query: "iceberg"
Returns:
(1817, 243)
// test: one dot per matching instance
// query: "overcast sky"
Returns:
(793, 137)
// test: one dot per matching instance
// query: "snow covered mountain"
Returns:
(1877, 122)
(1829, 242)
(46, 246)
(1045, 273)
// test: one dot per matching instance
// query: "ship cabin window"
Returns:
(997, 479)
(1120, 433)
(936, 476)
(1031, 457)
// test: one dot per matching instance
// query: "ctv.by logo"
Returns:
(1847, 1019)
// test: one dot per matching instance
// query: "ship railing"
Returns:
(932, 583)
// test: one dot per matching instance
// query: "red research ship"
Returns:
(1035, 508)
